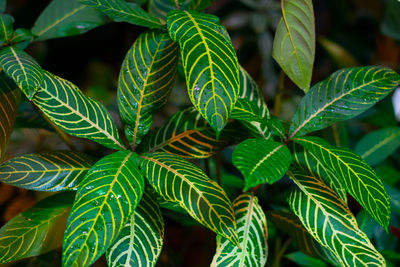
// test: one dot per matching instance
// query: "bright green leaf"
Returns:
(344, 95)
(294, 42)
(261, 161)
(76, 114)
(105, 199)
(145, 81)
(210, 64)
(246, 110)
(6, 29)
(179, 181)
(22, 68)
(141, 240)
(252, 232)
(375, 147)
(51, 171)
(357, 176)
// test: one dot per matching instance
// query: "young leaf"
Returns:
(145, 81)
(294, 42)
(344, 95)
(36, 230)
(76, 114)
(141, 240)
(210, 64)
(63, 18)
(52, 171)
(119, 10)
(261, 161)
(327, 218)
(22, 68)
(6, 29)
(9, 99)
(252, 232)
(375, 147)
(106, 198)
(179, 181)
(357, 176)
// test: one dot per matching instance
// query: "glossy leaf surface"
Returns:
(210, 64)
(51, 171)
(22, 68)
(120, 10)
(105, 199)
(344, 95)
(145, 81)
(141, 239)
(261, 161)
(356, 175)
(245, 110)
(252, 232)
(6, 29)
(294, 42)
(76, 114)
(179, 181)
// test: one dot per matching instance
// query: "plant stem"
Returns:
(280, 252)
(177, 4)
(218, 167)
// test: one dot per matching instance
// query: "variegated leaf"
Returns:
(210, 64)
(245, 110)
(179, 181)
(64, 104)
(51, 171)
(145, 81)
(160, 8)
(252, 233)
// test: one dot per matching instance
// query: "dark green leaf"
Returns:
(29, 117)
(246, 110)
(160, 8)
(52, 171)
(261, 161)
(76, 114)
(294, 42)
(145, 81)
(106, 198)
(22, 38)
(6, 29)
(344, 95)
(210, 64)
(391, 21)
(305, 260)
(3, 5)
(199, 4)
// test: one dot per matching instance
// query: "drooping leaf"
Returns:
(6, 29)
(356, 175)
(64, 104)
(261, 161)
(22, 38)
(119, 10)
(252, 232)
(51, 171)
(145, 81)
(328, 219)
(36, 230)
(141, 239)
(344, 95)
(105, 199)
(62, 18)
(294, 42)
(375, 147)
(179, 181)
(9, 99)
(210, 64)
(22, 68)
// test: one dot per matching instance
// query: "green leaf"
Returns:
(294, 41)
(304, 260)
(185, 134)
(160, 8)
(246, 110)
(6, 29)
(179, 181)
(119, 10)
(3, 5)
(141, 240)
(252, 232)
(344, 95)
(76, 114)
(63, 18)
(375, 147)
(52, 171)
(199, 4)
(357, 176)
(22, 38)
(22, 68)
(328, 219)
(145, 81)
(9, 99)
(210, 64)
(36, 230)
(105, 199)
(29, 117)
(261, 161)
